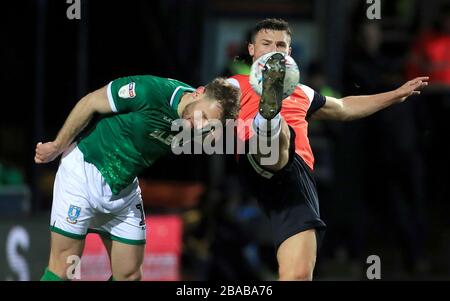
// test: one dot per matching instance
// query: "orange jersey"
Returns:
(295, 109)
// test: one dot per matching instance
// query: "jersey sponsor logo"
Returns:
(128, 91)
(162, 136)
(168, 119)
(73, 214)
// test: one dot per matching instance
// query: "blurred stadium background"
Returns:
(383, 182)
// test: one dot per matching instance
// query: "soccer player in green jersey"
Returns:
(96, 187)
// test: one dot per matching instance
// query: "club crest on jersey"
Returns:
(128, 91)
(73, 214)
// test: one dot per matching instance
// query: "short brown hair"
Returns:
(270, 24)
(227, 95)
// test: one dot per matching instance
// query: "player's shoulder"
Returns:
(154, 79)
(176, 83)
(306, 91)
(239, 80)
(158, 80)
(152, 83)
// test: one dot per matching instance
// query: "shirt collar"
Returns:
(176, 96)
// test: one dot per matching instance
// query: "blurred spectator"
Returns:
(430, 53)
(240, 245)
(239, 61)
(317, 80)
(10, 175)
(393, 189)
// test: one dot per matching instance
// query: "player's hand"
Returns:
(412, 87)
(46, 152)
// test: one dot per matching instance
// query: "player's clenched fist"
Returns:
(46, 152)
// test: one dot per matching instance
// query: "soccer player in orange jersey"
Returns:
(286, 189)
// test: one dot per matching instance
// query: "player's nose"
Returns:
(273, 48)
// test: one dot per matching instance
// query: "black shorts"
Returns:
(289, 198)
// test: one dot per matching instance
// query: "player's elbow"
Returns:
(335, 109)
(87, 103)
(351, 116)
(97, 101)
(345, 113)
(345, 117)
(340, 115)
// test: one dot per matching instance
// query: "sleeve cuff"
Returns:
(112, 104)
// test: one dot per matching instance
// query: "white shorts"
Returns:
(83, 202)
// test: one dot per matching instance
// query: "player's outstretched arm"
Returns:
(79, 117)
(356, 107)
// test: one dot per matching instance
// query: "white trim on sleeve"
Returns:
(110, 98)
(174, 93)
(234, 82)
(309, 92)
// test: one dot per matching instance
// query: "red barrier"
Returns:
(162, 252)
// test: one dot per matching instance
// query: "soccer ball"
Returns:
(291, 79)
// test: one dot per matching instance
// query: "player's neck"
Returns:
(186, 99)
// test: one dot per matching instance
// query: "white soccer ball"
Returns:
(291, 79)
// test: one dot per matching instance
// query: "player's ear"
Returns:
(251, 49)
(290, 51)
(200, 90)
